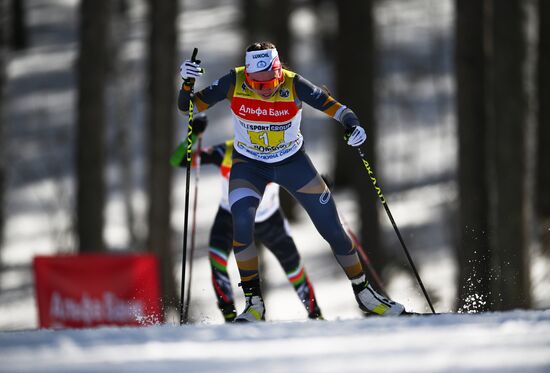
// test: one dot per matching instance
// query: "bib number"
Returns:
(267, 138)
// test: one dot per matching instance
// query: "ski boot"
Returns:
(307, 296)
(315, 314)
(254, 309)
(372, 303)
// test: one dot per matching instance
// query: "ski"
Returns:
(404, 313)
(407, 313)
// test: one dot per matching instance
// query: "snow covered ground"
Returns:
(510, 342)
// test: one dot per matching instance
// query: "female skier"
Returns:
(266, 105)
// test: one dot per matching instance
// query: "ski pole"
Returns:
(390, 216)
(193, 227)
(187, 181)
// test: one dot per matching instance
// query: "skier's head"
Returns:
(263, 69)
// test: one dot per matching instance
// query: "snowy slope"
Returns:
(517, 341)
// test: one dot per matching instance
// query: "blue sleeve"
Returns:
(321, 99)
(219, 90)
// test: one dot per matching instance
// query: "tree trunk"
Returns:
(3, 155)
(19, 38)
(162, 71)
(277, 17)
(356, 33)
(123, 78)
(508, 159)
(251, 21)
(90, 139)
(473, 248)
(543, 148)
(268, 21)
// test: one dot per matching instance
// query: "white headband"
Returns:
(264, 60)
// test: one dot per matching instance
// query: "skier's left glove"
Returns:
(356, 136)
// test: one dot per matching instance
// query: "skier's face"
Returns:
(265, 83)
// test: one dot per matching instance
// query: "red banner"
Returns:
(97, 289)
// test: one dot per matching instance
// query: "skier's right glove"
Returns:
(190, 70)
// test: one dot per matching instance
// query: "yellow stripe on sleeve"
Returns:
(332, 109)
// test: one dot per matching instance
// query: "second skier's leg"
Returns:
(219, 250)
(275, 235)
